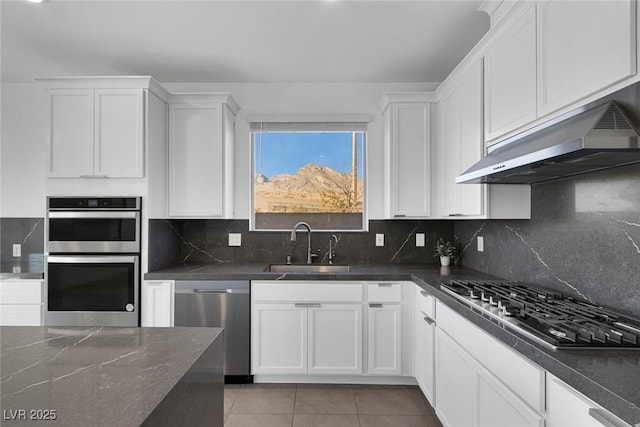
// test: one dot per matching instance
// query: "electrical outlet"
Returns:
(235, 239)
(17, 249)
(379, 239)
(480, 240)
(420, 239)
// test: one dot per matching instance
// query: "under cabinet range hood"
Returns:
(597, 138)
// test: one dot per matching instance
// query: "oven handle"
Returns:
(98, 214)
(89, 259)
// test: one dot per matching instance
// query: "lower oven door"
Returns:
(92, 290)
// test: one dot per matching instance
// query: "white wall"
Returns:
(305, 99)
(25, 122)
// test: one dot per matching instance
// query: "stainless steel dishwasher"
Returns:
(225, 304)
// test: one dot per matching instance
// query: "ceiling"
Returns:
(239, 41)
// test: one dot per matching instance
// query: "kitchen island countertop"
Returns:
(608, 377)
(100, 376)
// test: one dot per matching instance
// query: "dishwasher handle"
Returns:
(212, 291)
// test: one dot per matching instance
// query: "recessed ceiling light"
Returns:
(37, 1)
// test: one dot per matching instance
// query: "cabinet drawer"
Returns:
(21, 292)
(517, 373)
(384, 292)
(20, 314)
(425, 302)
(306, 291)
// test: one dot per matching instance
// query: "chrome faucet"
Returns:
(293, 237)
(332, 254)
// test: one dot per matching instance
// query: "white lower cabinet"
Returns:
(469, 395)
(567, 407)
(157, 303)
(384, 326)
(279, 338)
(384, 340)
(21, 303)
(454, 383)
(335, 339)
(424, 343)
(306, 328)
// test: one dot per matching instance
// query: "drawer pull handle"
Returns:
(424, 293)
(604, 418)
(308, 304)
(375, 305)
(385, 285)
(429, 320)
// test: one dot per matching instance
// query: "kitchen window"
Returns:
(312, 172)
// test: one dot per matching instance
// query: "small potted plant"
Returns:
(445, 250)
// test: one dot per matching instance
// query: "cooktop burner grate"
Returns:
(548, 317)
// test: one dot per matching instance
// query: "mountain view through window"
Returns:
(315, 177)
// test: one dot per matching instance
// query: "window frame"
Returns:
(319, 123)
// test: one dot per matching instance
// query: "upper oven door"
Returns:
(93, 232)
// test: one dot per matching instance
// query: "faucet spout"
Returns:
(293, 237)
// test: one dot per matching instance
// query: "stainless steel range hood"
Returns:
(598, 138)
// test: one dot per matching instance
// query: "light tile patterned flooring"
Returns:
(320, 405)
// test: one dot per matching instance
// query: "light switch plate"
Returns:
(235, 239)
(420, 239)
(480, 240)
(379, 239)
(17, 249)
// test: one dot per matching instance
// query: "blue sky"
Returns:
(286, 152)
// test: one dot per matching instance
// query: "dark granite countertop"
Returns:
(12, 270)
(611, 378)
(94, 376)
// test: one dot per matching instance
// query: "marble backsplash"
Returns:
(28, 232)
(206, 241)
(583, 239)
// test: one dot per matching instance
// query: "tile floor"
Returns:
(320, 405)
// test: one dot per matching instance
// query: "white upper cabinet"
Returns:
(96, 132)
(544, 58)
(71, 137)
(201, 155)
(407, 147)
(583, 47)
(460, 145)
(119, 132)
(510, 77)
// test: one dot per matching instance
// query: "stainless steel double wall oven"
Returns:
(93, 261)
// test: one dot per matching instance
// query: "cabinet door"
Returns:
(119, 133)
(71, 138)
(510, 77)
(497, 406)
(196, 161)
(424, 353)
(583, 47)
(384, 343)
(461, 145)
(157, 303)
(411, 160)
(455, 387)
(335, 339)
(279, 339)
(566, 407)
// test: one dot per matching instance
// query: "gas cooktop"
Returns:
(549, 318)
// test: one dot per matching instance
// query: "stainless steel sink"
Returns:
(308, 268)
